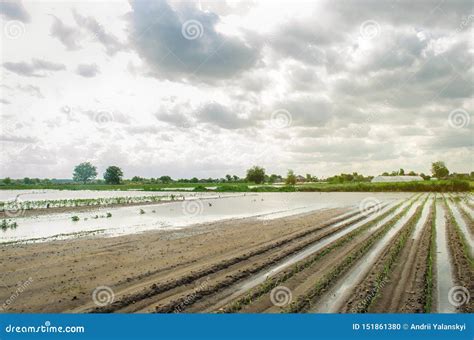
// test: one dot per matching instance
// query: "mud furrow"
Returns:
(461, 258)
(306, 265)
(186, 301)
(304, 302)
(335, 297)
(159, 288)
(368, 291)
(406, 288)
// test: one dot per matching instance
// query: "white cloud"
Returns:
(155, 101)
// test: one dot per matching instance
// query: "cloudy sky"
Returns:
(207, 88)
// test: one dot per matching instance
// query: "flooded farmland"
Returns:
(187, 210)
(245, 253)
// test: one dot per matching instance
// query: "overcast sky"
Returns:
(209, 88)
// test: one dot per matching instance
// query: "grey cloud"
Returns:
(347, 149)
(304, 41)
(17, 139)
(304, 78)
(104, 117)
(450, 138)
(69, 36)
(156, 33)
(14, 10)
(394, 50)
(31, 90)
(222, 116)
(37, 68)
(111, 43)
(307, 111)
(141, 129)
(174, 118)
(87, 70)
(411, 131)
(4, 101)
(446, 14)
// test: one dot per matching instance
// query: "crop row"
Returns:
(19, 205)
(393, 255)
(304, 302)
(272, 283)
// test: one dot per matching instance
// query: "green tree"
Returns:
(84, 172)
(401, 172)
(256, 174)
(273, 178)
(228, 177)
(165, 179)
(113, 175)
(425, 177)
(439, 169)
(290, 178)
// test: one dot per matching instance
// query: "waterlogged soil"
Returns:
(444, 266)
(64, 274)
(301, 281)
(211, 266)
(368, 289)
(404, 290)
(463, 268)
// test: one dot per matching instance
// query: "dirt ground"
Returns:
(61, 276)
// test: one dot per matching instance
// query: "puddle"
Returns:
(333, 300)
(462, 225)
(444, 267)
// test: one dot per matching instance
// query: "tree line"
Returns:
(86, 172)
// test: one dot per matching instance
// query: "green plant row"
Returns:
(81, 202)
(8, 224)
(420, 186)
(304, 303)
(465, 244)
(429, 278)
(393, 255)
(298, 267)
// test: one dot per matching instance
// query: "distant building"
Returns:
(385, 179)
(300, 179)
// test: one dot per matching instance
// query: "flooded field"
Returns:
(248, 253)
(191, 209)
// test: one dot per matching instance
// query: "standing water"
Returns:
(463, 226)
(444, 268)
(332, 301)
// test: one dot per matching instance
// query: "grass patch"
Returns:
(420, 186)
